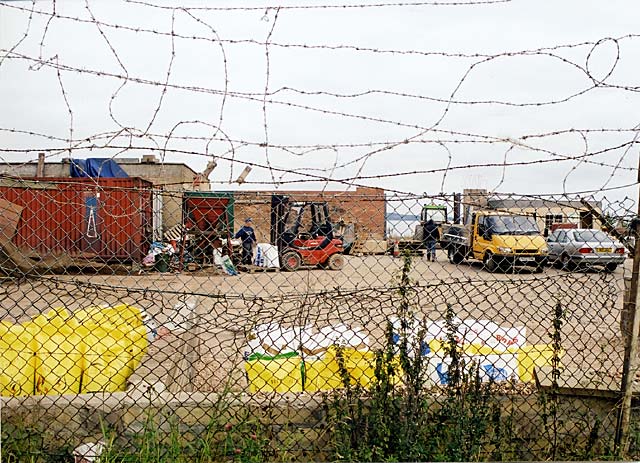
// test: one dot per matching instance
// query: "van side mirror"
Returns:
(487, 235)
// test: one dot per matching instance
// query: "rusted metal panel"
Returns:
(209, 210)
(106, 218)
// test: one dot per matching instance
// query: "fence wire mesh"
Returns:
(390, 350)
(295, 299)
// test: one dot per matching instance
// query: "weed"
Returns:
(549, 400)
(398, 418)
(24, 442)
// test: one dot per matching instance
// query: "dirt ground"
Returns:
(361, 295)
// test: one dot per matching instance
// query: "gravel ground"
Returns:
(362, 295)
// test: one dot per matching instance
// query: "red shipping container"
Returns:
(106, 218)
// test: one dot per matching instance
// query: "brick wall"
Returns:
(364, 208)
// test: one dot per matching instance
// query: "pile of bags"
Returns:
(91, 350)
(500, 353)
(159, 256)
(303, 358)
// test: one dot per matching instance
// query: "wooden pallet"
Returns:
(256, 269)
(369, 247)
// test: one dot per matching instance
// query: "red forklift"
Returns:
(304, 235)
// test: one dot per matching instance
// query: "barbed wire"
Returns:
(384, 147)
(347, 181)
(329, 6)
(321, 46)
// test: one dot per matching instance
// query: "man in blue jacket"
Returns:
(248, 237)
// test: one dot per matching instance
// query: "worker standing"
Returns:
(430, 237)
(248, 237)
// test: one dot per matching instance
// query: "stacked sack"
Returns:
(94, 349)
(499, 353)
(301, 358)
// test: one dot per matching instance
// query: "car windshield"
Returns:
(584, 236)
(512, 225)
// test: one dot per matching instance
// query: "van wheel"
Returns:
(455, 256)
(291, 261)
(335, 261)
(489, 262)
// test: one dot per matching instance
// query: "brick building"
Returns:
(363, 208)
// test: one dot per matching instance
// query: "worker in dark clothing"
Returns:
(430, 237)
(248, 237)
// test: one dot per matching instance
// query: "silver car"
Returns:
(570, 248)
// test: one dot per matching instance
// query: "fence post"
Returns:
(183, 371)
(630, 366)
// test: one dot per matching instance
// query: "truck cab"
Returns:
(500, 240)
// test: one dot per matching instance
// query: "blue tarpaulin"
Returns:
(96, 167)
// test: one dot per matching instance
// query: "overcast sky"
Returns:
(463, 85)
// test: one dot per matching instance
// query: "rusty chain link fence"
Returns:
(175, 350)
(341, 231)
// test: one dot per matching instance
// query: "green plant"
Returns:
(399, 418)
(550, 400)
(25, 442)
(227, 437)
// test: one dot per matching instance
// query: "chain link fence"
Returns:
(357, 326)
(318, 308)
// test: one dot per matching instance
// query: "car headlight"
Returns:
(505, 250)
(544, 250)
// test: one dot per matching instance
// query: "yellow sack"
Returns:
(17, 360)
(530, 357)
(59, 362)
(360, 365)
(522, 360)
(113, 344)
(322, 374)
(278, 373)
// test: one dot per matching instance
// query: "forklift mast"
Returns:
(279, 212)
(284, 228)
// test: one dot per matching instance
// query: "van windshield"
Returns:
(512, 225)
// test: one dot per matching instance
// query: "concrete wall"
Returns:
(300, 419)
(51, 169)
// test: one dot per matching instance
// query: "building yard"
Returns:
(114, 299)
